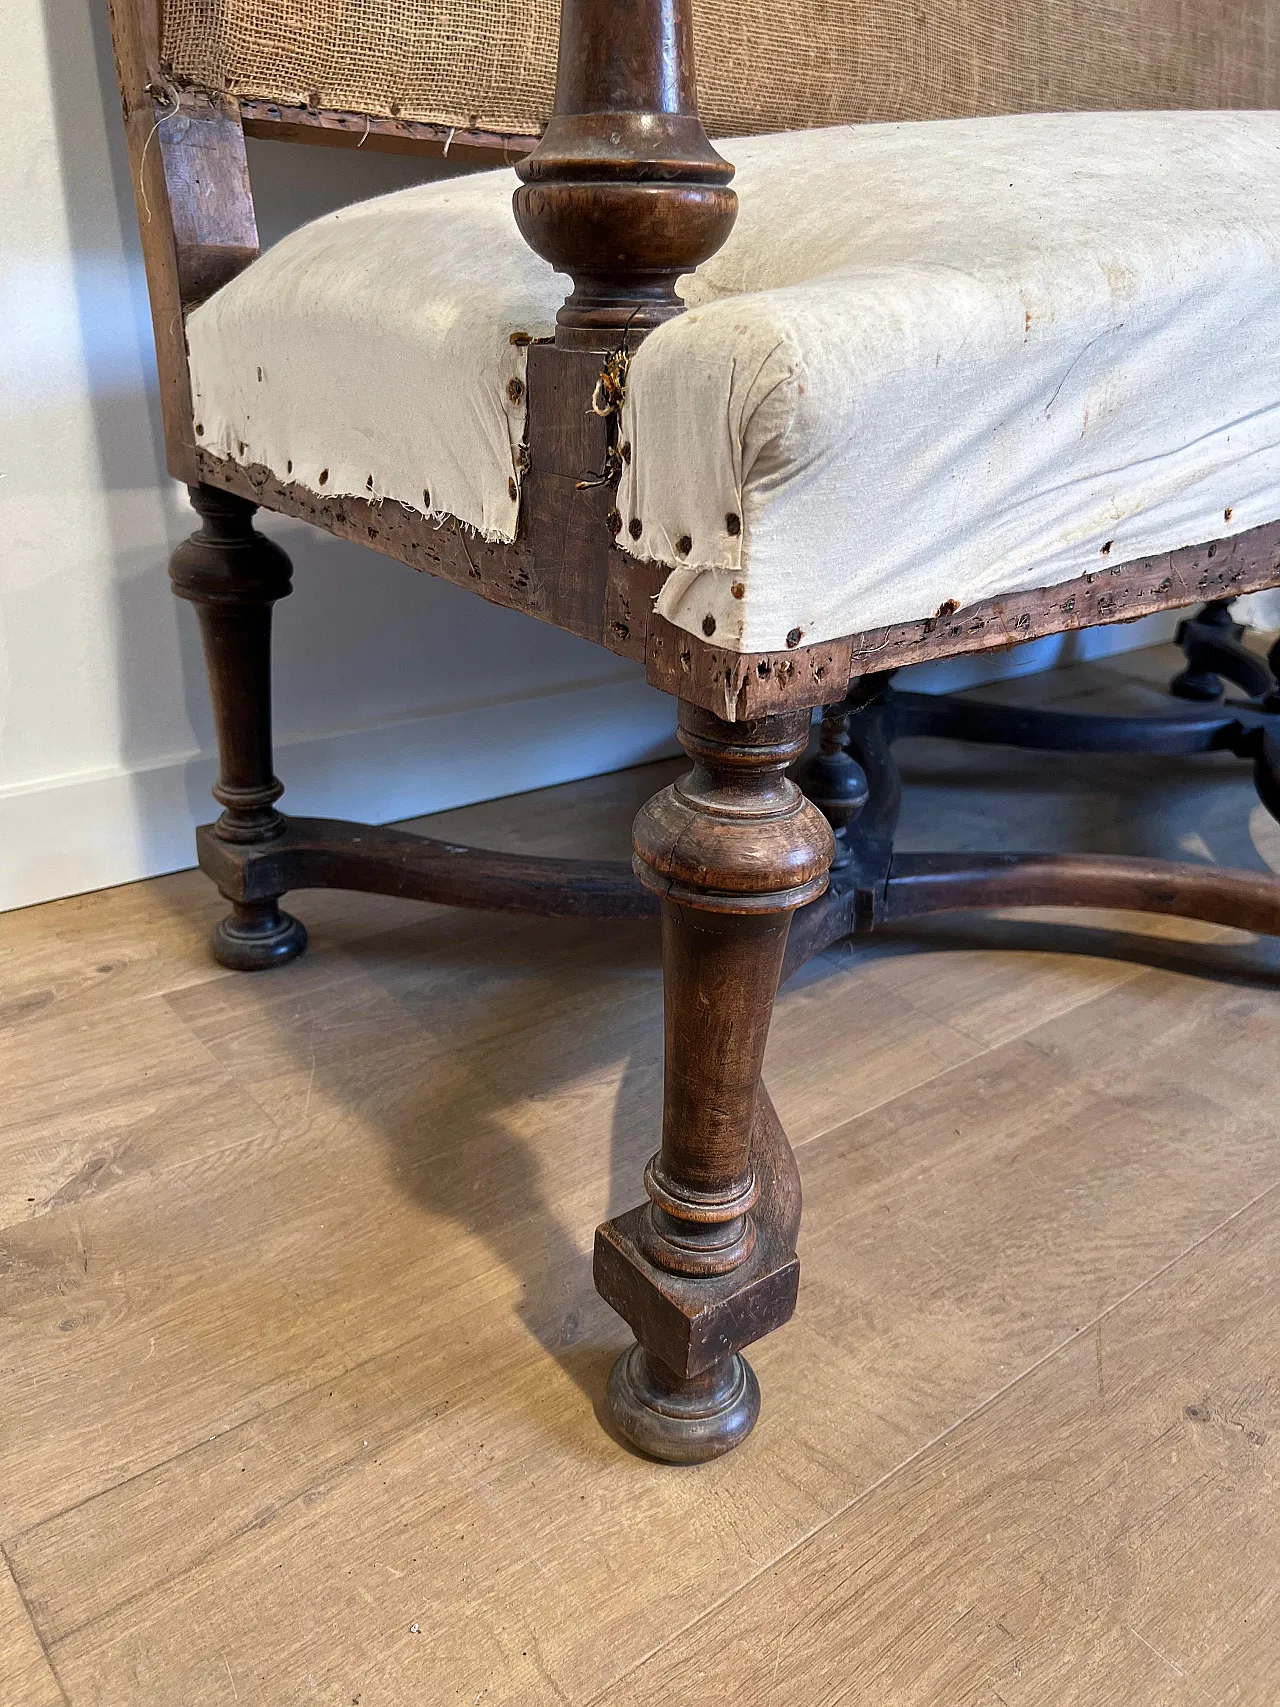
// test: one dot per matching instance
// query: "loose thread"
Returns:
(172, 96)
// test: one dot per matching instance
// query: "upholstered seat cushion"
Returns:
(934, 362)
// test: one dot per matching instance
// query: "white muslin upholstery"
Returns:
(933, 363)
(374, 345)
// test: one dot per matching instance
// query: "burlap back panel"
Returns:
(762, 64)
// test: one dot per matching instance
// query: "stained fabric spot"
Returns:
(635, 527)
(324, 475)
(708, 625)
(426, 498)
(738, 590)
(1228, 513)
(733, 524)
(684, 545)
(515, 389)
(794, 638)
(1106, 550)
(513, 491)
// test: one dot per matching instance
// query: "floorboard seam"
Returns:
(31, 1620)
(1140, 973)
(207, 1440)
(970, 1415)
(390, 1351)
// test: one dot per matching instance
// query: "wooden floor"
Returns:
(300, 1360)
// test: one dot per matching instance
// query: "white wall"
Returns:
(395, 694)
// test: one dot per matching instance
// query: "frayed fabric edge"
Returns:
(438, 516)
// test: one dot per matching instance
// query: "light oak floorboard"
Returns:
(98, 1097)
(1104, 1532)
(26, 1678)
(313, 1356)
(954, 1236)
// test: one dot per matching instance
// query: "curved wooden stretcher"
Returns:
(684, 1392)
(761, 855)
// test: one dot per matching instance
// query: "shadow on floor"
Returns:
(507, 1014)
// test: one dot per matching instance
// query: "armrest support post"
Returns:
(624, 192)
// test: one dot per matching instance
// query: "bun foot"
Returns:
(1197, 684)
(683, 1421)
(255, 935)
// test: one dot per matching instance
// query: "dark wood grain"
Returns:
(1217, 568)
(1215, 649)
(135, 33)
(938, 883)
(194, 205)
(732, 850)
(690, 1324)
(328, 853)
(568, 495)
(206, 172)
(577, 563)
(624, 192)
(233, 575)
(273, 121)
(751, 684)
(1234, 728)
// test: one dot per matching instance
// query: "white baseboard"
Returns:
(92, 832)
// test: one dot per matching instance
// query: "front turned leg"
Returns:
(708, 1265)
(233, 575)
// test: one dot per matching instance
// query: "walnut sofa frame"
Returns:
(750, 874)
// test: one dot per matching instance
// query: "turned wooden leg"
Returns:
(1266, 764)
(1213, 645)
(233, 576)
(835, 781)
(732, 849)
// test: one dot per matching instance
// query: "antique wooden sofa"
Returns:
(944, 386)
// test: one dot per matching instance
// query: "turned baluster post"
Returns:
(233, 575)
(624, 192)
(732, 849)
(834, 780)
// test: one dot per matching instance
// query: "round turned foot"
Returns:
(255, 935)
(683, 1422)
(1197, 685)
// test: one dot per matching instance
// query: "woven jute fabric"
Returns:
(763, 65)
